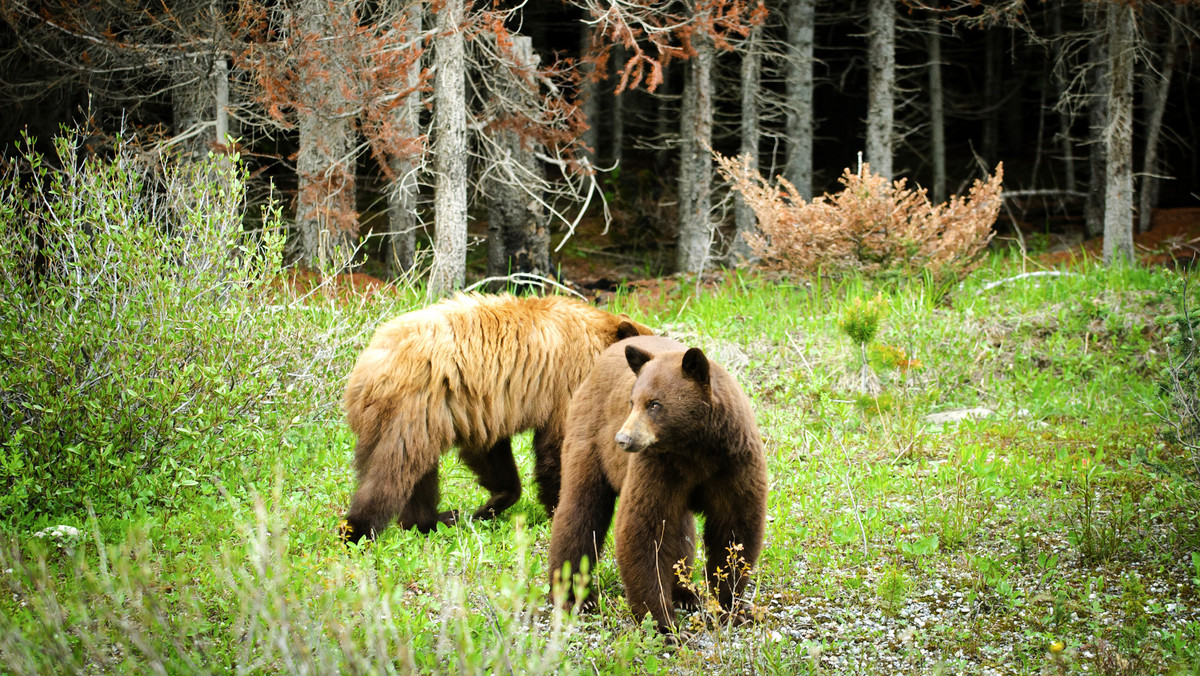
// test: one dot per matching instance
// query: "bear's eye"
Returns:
(653, 406)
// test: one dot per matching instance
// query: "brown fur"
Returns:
(469, 371)
(673, 434)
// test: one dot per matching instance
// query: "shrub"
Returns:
(140, 350)
(873, 224)
(1180, 380)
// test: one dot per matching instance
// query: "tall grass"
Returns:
(1056, 533)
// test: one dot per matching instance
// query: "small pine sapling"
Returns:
(860, 321)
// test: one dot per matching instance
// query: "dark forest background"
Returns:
(1023, 83)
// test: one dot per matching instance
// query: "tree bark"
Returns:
(588, 95)
(801, 15)
(744, 219)
(1066, 143)
(695, 163)
(991, 95)
(450, 129)
(1093, 207)
(518, 238)
(1118, 189)
(881, 84)
(937, 116)
(200, 92)
(1156, 105)
(618, 111)
(325, 214)
(403, 192)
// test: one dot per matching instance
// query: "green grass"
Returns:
(893, 545)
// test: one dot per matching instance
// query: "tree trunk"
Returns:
(1156, 105)
(618, 111)
(325, 213)
(518, 239)
(798, 171)
(200, 92)
(937, 116)
(403, 191)
(450, 130)
(695, 163)
(881, 83)
(991, 95)
(1093, 207)
(1118, 191)
(744, 220)
(1066, 143)
(588, 95)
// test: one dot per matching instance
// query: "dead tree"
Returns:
(450, 152)
(1118, 135)
(881, 83)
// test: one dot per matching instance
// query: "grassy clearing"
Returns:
(1058, 532)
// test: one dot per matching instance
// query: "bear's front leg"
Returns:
(733, 537)
(580, 524)
(652, 538)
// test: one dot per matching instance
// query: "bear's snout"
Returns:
(635, 435)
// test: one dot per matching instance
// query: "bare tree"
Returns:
(1156, 91)
(881, 83)
(1118, 189)
(695, 161)
(518, 238)
(751, 68)
(801, 17)
(450, 138)
(403, 192)
(326, 217)
(1098, 92)
(937, 116)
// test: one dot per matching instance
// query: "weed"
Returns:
(893, 588)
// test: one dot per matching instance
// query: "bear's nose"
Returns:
(624, 441)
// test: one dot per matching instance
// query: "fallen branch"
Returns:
(1023, 275)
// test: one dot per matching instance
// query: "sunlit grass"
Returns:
(1059, 520)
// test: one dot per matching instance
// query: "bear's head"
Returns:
(671, 397)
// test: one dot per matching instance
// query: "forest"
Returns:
(401, 138)
(947, 249)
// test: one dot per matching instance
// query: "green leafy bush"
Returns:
(140, 350)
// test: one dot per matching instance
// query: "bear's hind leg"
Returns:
(421, 511)
(497, 472)
(547, 469)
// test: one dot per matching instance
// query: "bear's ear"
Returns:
(637, 358)
(695, 365)
(626, 329)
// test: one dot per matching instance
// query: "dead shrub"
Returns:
(872, 224)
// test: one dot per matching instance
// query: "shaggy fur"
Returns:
(673, 434)
(469, 371)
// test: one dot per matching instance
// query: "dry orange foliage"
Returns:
(872, 224)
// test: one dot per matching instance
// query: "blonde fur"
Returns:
(470, 371)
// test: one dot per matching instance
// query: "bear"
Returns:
(672, 434)
(471, 370)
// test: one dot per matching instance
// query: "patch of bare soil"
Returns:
(1173, 239)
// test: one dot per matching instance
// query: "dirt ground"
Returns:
(594, 265)
(1173, 239)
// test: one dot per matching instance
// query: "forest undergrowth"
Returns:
(1005, 498)
(1053, 529)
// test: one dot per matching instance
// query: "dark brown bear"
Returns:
(674, 435)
